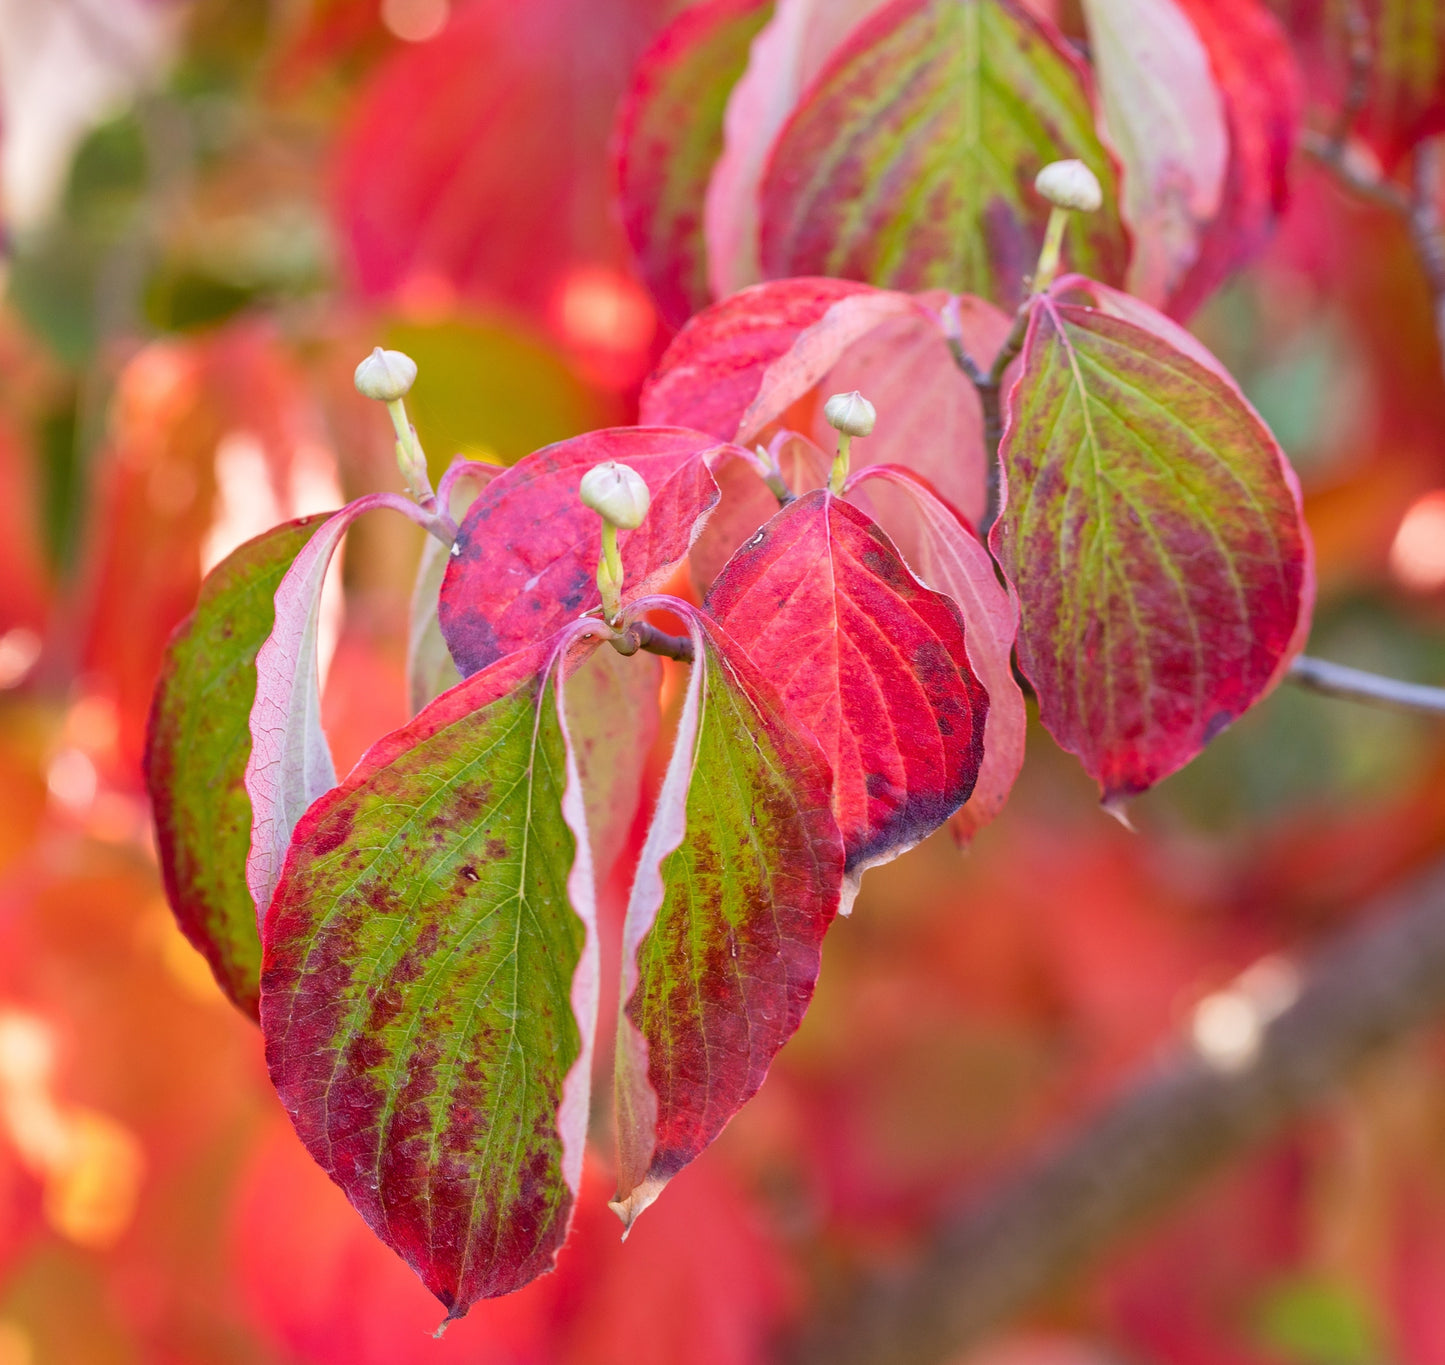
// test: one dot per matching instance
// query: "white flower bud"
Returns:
(1070, 185)
(386, 375)
(617, 494)
(850, 413)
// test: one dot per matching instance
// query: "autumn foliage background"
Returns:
(214, 210)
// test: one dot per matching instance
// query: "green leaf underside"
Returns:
(196, 751)
(430, 965)
(739, 880)
(1153, 533)
(671, 133)
(910, 163)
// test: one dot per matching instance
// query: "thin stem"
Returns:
(639, 635)
(1354, 684)
(839, 473)
(609, 573)
(410, 458)
(1053, 246)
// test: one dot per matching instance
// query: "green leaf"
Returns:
(910, 162)
(196, 751)
(429, 993)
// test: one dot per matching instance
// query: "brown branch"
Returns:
(1156, 1143)
(640, 635)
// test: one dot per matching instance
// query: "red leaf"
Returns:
(430, 980)
(872, 662)
(952, 560)
(741, 365)
(526, 556)
(740, 876)
(1152, 530)
(1260, 81)
(290, 764)
(715, 366)
(746, 501)
(670, 133)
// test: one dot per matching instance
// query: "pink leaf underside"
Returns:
(747, 501)
(872, 662)
(669, 136)
(740, 876)
(1166, 120)
(749, 362)
(952, 560)
(714, 367)
(1259, 79)
(290, 763)
(526, 555)
(785, 58)
(430, 982)
(1152, 530)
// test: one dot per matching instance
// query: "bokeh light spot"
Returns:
(414, 21)
(1417, 556)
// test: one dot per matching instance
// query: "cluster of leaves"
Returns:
(420, 942)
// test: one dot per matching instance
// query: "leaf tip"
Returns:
(641, 1197)
(1113, 804)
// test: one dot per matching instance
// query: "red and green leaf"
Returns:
(950, 558)
(430, 981)
(525, 559)
(670, 133)
(910, 161)
(1152, 531)
(785, 59)
(874, 664)
(738, 880)
(290, 764)
(197, 744)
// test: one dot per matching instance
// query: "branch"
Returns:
(1336, 680)
(1155, 1144)
(641, 635)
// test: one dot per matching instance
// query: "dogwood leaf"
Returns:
(525, 560)
(1165, 118)
(739, 877)
(949, 557)
(874, 664)
(771, 353)
(196, 749)
(670, 133)
(290, 763)
(909, 162)
(1256, 71)
(1152, 530)
(430, 980)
